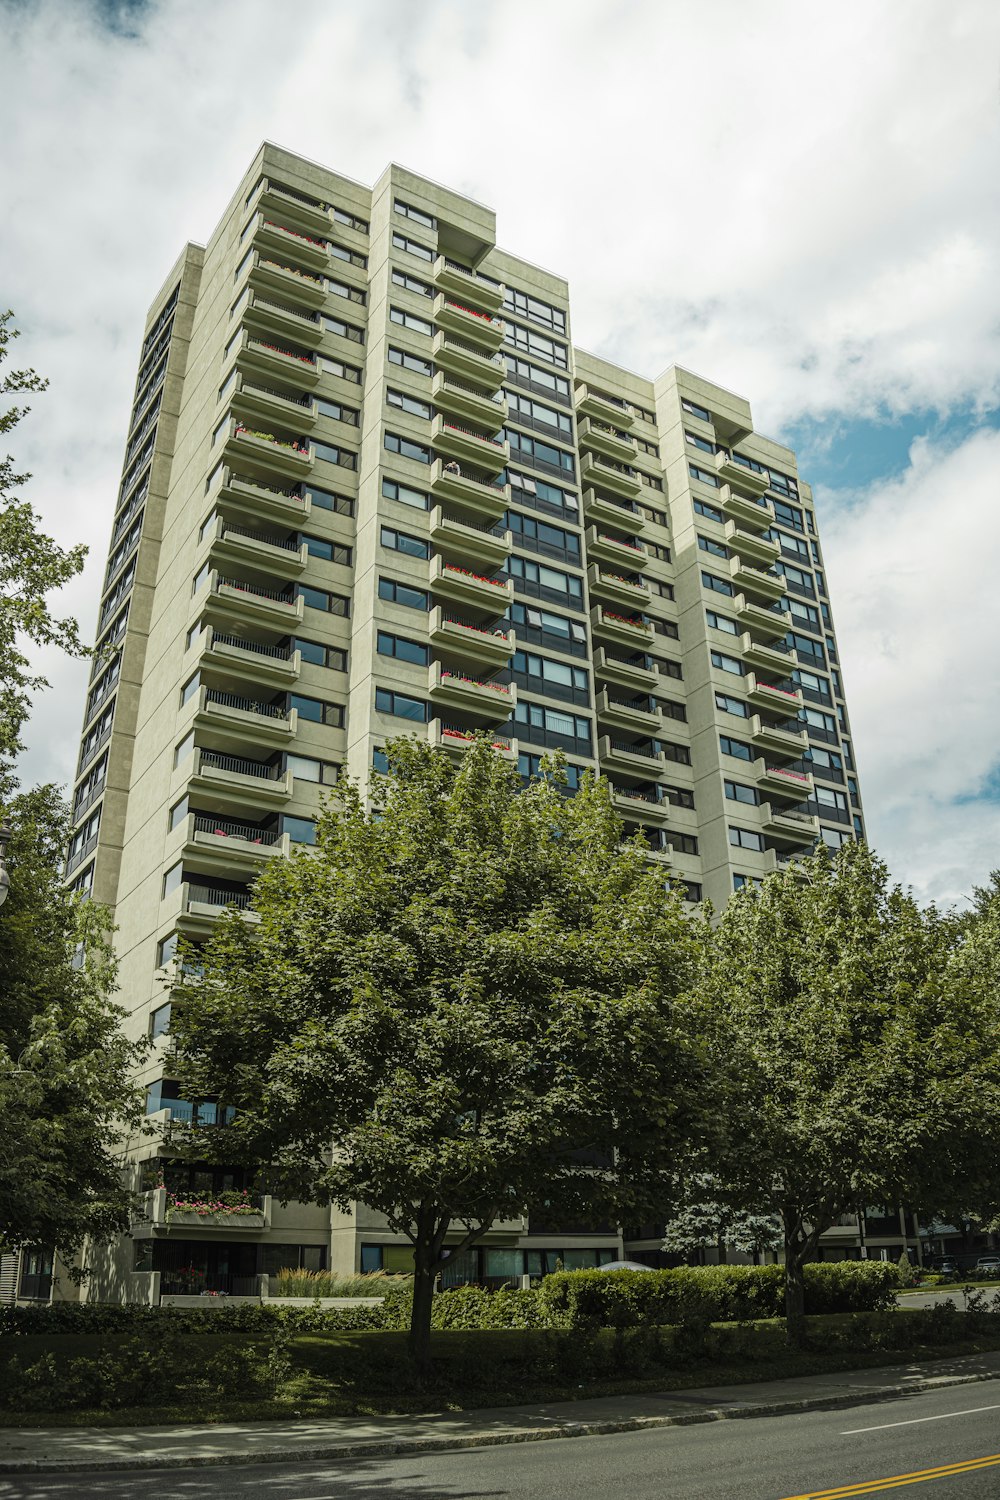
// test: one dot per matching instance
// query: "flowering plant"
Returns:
(309, 239)
(269, 437)
(233, 1203)
(624, 619)
(303, 359)
(496, 583)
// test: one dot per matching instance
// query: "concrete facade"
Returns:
(372, 488)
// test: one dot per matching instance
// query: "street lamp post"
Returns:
(6, 834)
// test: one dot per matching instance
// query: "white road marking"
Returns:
(943, 1417)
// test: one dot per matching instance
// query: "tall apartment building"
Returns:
(370, 487)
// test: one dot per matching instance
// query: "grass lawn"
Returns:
(367, 1374)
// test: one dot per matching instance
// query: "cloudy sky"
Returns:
(799, 201)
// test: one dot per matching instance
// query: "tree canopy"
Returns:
(477, 996)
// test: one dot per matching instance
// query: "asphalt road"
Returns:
(911, 1439)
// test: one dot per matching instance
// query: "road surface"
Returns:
(943, 1444)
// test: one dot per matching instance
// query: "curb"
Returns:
(396, 1447)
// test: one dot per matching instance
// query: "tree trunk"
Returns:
(721, 1251)
(419, 1340)
(795, 1289)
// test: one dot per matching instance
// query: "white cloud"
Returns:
(912, 568)
(795, 201)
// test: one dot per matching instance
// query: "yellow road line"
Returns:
(917, 1476)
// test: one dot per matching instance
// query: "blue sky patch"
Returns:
(853, 454)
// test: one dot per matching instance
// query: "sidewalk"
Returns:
(52, 1450)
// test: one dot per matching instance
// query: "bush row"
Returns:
(568, 1299)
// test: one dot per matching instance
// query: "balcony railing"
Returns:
(496, 687)
(497, 630)
(454, 343)
(285, 307)
(271, 390)
(246, 705)
(269, 539)
(456, 732)
(209, 895)
(237, 763)
(287, 492)
(645, 750)
(474, 313)
(281, 596)
(497, 397)
(303, 359)
(224, 829)
(471, 432)
(280, 653)
(293, 445)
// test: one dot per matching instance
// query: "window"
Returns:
(166, 951)
(706, 544)
(178, 813)
(805, 614)
(696, 411)
(304, 768)
(173, 878)
(190, 688)
(703, 476)
(520, 371)
(727, 663)
(400, 541)
(822, 723)
(184, 749)
(411, 284)
(316, 711)
(337, 412)
(789, 514)
(534, 309)
(541, 627)
(402, 649)
(828, 797)
(324, 500)
(408, 361)
(718, 585)
(796, 578)
(809, 682)
(400, 706)
(343, 330)
(299, 830)
(721, 622)
(738, 791)
(541, 495)
(742, 881)
(337, 367)
(403, 593)
(331, 454)
(159, 1021)
(529, 342)
(407, 448)
(835, 838)
(805, 647)
(746, 838)
(546, 583)
(684, 843)
(351, 220)
(736, 748)
(318, 546)
(409, 320)
(405, 495)
(540, 674)
(416, 214)
(679, 754)
(334, 604)
(792, 546)
(827, 760)
(702, 508)
(728, 705)
(412, 404)
(529, 767)
(413, 247)
(705, 444)
(540, 537)
(553, 727)
(333, 657)
(524, 409)
(533, 450)
(341, 289)
(341, 252)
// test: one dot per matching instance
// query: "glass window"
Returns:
(746, 838)
(721, 622)
(173, 878)
(727, 663)
(159, 1021)
(405, 495)
(184, 748)
(407, 448)
(402, 593)
(737, 791)
(717, 585)
(735, 748)
(166, 950)
(409, 361)
(408, 403)
(728, 705)
(401, 706)
(706, 544)
(410, 320)
(178, 812)
(299, 830)
(402, 649)
(400, 541)
(303, 768)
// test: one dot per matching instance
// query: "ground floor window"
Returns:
(231, 1266)
(36, 1274)
(485, 1265)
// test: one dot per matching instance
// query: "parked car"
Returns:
(988, 1265)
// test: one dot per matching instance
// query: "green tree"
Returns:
(456, 1009)
(66, 1070)
(704, 1220)
(31, 566)
(856, 1050)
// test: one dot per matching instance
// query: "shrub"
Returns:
(300, 1283)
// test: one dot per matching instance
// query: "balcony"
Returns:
(789, 824)
(256, 603)
(469, 360)
(274, 359)
(467, 587)
(750, 544)
(643, 807)
(217, 844)
(473, 695)
(600, 437)
(159, 1214)
(756, 580)
(766, 622)
(775, 739)
(613, 550)
(478, 493)
(245, 658)
(456, 738)
(311, 215)
(589, 403)
(255, 497)
(239, 780)
(634, 595)
(493, 645)
(283, 455)
(244, 718)
(268, 402)
(622, 756)
(603, 510)
(626, 714)
(779, 700)
(783, 782)
(487, 453)
(757, 516)
(479, 327)
(731, 472)
(299, 286)
(303, 247)
(619, 478)
(631, 674)
(284, 318)
(205, 903)
(627, 632)
(765, 658)
(242, 544)
(468, 286)
(488, 544)
(466, 401)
